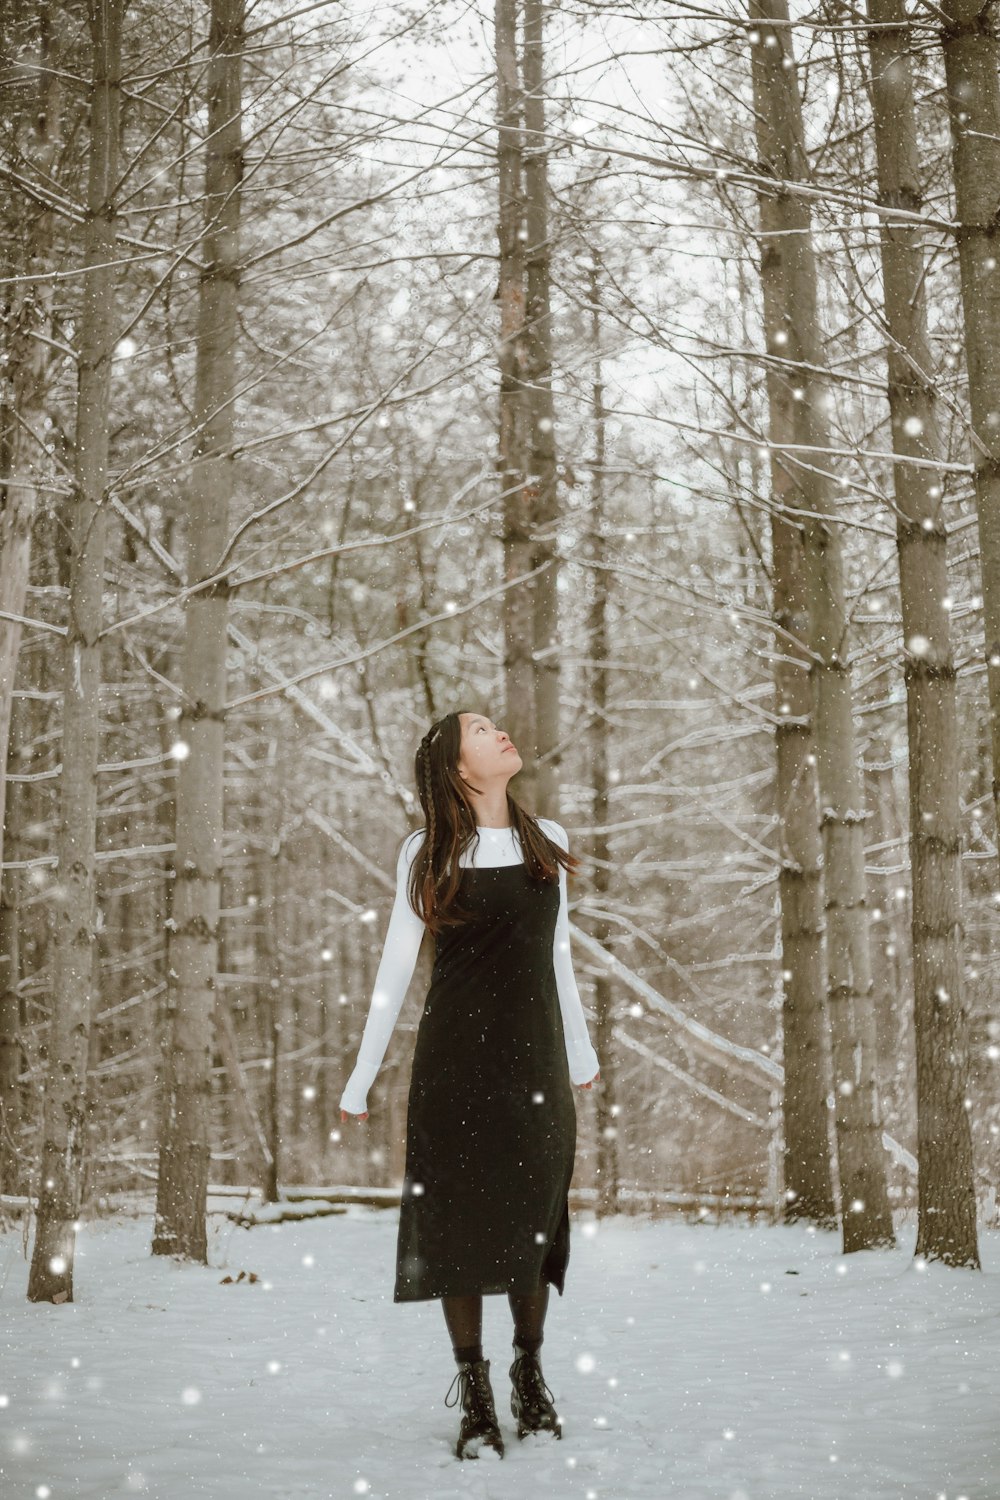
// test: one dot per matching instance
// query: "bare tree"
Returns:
(808, 1170)
(51, 1276)
(605, 992)
(865, 1215)
(32, 80)
(13, 1165)
(192, 943)
(541, 494)
(971, 50)
(527, 453)
(947, 1199)
(513, 434)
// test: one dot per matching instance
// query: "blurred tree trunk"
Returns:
(241, 1105)
(241, 1116)
(946, 1224)
(29, 50)
(598, 650)
(865, 1214)
(971, 48)
(74, 915)
(270, 992)
(324, 1103)
(192, 955)
(12, 1173)
(807, 1164)
(891, 919)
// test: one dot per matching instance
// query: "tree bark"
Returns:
(270, 993)
(946, 1223)
(969, 42)
(598, 650)
(807, 1163)
(26, 314)
(12, 1173)
(865, 1215)
(513, 434)
(892, 968)
(527, 460)
(74, 917)
(192, 938)
(541, 493)
(242, 1104)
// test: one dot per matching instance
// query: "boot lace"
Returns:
(527, 1375)
(472, 1380)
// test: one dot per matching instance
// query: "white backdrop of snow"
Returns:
(695, 1362)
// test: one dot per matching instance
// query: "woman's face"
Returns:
(486, 751)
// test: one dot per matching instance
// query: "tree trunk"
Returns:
(192, 947)
(865, 1215)
(270, 992)
(244, 1114)
(608, 1157)
(541, 493)
(891, 967)
(972, 77)
(25, 316)
(11, 1020)
(74, 925)
(513, 439)
(807, 1164)
(275, 1164)
(946, 1225)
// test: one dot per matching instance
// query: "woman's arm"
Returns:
(580, 1054)
(395, 970)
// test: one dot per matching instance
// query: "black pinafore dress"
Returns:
(491, 1119)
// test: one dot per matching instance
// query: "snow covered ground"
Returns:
(686, 1360)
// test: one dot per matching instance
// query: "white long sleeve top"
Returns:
(496, 846)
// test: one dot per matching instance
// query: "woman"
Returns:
(491, 1119)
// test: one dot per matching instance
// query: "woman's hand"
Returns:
(596, 1079)
(345, 1116)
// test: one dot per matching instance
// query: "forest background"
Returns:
(364, 364)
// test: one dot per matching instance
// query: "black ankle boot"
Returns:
(479, 1424)
(530, 1398)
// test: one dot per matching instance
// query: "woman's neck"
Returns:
(492, 810)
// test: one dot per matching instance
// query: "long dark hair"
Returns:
(451, 827)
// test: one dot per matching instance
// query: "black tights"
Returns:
(464, 1317)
